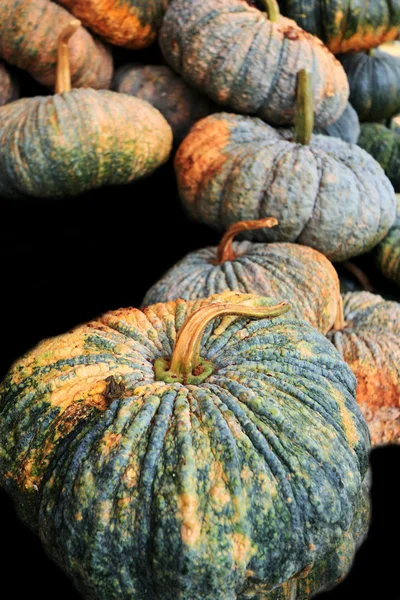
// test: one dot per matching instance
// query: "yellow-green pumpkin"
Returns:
(387, 253)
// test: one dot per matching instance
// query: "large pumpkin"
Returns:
(384, 145)
(368, 338)
(387, 253)
(347, 127)
(76, 140)
(325, 193)
(8, 86)
(236, 469)
(158, 84)
(300, 274)
(249, 63)
(29, 32)
(129, 23)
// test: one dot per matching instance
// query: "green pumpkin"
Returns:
(249, 63)
(387, 253)
(8, 86)
(384, 145)
(237, 469)
(347, 127)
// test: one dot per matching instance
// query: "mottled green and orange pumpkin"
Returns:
(76, 140)
(383, 143)
(8, 85)
(387, 253)
(368, 339)
(165, 90)
(347, 127)
(248, 62)
(129, 23)
(195, 450)
(29, 32)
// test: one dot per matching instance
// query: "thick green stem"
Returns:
(63, 75)
(186, 364)
(225, 250)
(272, 10)
(304, 120)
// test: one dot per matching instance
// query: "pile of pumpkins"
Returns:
(215, 442)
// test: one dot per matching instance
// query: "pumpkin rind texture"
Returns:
(62, 145)
(384, 145)
(166, 91)
(251, 484)
(129, 23)
(370, 344)
(8, 86)
(387, 253)
(29, 32)
(329, 195)
(347, 127)
(245, 62)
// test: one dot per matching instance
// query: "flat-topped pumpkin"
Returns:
(195, 450)
(8, 85)
(387, 253)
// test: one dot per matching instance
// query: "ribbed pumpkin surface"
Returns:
(62, 145)
(8, 86)
(388, 251)
(347, 127)
(247, 63)
(228, 489)
(328, 195)
(384, 145)
(166, 91)
(292, 272)
(370, 344)
(128, 23)
(29, 32)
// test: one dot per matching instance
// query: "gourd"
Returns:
(129, 23)
(347, 127)
(166, 91)
(76, 140)
(374, 80)
(200, 450)
(248, 62)
(325, 193)
(29, 33)
(387, 253)
(8, 86)
(384, 145)
(300, 274)
(368, 338)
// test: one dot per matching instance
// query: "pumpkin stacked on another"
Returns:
(387, 253)
(8, 86)
(347, 127)
(200, 450)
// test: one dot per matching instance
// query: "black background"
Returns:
(65, 262)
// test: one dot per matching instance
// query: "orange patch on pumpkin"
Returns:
(362, 40)
(191, 524)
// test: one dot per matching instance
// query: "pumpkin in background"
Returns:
(29, 32)
(76, 140)
(325, 193)
(8, 86)
(299, 274)
(166, 91)
(387, 253)
(129, 23)
(384, 145)
(368, 339)
(228, 462)
(347, 127)
(249, 63)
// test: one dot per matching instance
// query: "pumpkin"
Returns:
(129, 23)
(29, 32)
(384, 145)
(300, 274)
(368, 339)
(8, 86)
(159, 85)
(387, 253)
(325, 193)
(347, 127)
(249, 63)
(195, 450)
(76, 140)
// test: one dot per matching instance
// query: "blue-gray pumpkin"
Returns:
(347, 127)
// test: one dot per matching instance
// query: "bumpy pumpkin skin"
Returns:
(370, 344)
(384, 145)
(166, 91)
(128, 23)
(29, 32)
(249, 64)
(328, 195)
(347, 127)
(388, 251)
(252, 484)
(8, 86)
(61, 145)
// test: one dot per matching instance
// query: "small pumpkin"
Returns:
(166, 91)
(201, 450)
(128, 23)
(29, 33)
(8, 86)
(387, 253)
(300, 274)
(248, 62)
(325, 193)
(61, 145)
(347, 127)
(368, 339)
(384, 145)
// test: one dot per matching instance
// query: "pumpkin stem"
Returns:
(225, 250)
(339, 323)
(186, 364)
(359, 275)
(63, 76)
(272, 10)
(304, 119)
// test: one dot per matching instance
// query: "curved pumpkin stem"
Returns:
(339, 323)
(272, 10)
(186, 365)
(225, 250)
(63, 76)
(359, 275)
(304, 119)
